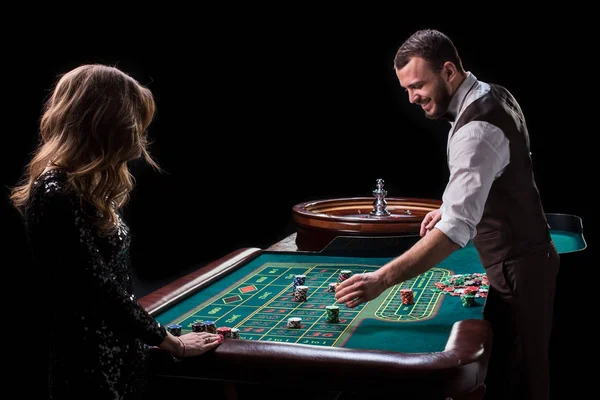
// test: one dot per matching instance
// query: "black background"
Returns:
(257, 114)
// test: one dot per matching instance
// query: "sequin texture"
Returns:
(98, 333)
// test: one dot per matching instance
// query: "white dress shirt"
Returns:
(478, 153)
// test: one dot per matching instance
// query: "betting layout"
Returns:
(295, 303)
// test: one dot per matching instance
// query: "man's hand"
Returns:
(429, 221)
(425, 254)
(359, 288)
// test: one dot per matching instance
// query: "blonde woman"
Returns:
(93, 124)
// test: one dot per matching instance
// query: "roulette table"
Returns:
(435, 347)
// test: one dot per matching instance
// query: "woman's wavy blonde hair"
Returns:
(94, 122)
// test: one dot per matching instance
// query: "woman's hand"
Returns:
(196, 343)
(191, 344)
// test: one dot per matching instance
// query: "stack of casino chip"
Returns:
(294, 323)
(199, 327)
(332, 287)
(211, 327)
(467, 300)
(207, 326)
(300, 294)
(345, 274)
(224, 331)
(408, 296)
(299, 280)
(333, 314)
(174, 329)
(476, 284)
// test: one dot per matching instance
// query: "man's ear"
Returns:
(449, 70)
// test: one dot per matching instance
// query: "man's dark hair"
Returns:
(433, 46)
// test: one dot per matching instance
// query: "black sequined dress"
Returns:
(96, 329)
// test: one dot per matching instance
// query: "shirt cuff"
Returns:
(455, 230)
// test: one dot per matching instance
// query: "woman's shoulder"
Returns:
(51, 187)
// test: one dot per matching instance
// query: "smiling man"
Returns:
(492, 199)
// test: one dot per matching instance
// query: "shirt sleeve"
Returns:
(477, 155)
(63, 244)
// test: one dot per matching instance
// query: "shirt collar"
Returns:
(458, 99)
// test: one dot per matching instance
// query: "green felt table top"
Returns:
(257, 299)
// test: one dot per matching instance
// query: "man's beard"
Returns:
(441, 104)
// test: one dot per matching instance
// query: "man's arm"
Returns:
(432, 249)
(477, 155)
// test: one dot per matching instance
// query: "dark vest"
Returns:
(513, 221)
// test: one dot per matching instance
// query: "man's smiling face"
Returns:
(425, 87)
